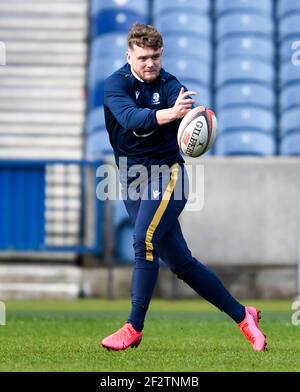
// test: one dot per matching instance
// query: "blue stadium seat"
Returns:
(108, 45)
(287, 7)
(124, 244)
(203, 96)
(244, 23)
(247, 118)
(184, 22)
(95, 120)
(97, 144)
(228, 6)
(243, 142)
(100, 69)
(290, 97)
(166, 6)
(96, 96)
(251, 94)
(289, 74)
(290, 48)
(248, 47)
(184, 45)
(241, 70)
(289, 26)
(188, 69)
(140, 6)
(290, 121)
(114, 21)
(290, 144)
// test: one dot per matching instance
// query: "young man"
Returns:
(143, 108)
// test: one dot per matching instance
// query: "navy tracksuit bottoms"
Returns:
(154, 207)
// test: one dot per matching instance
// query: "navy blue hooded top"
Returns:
(130, 107)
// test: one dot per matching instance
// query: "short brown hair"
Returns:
(144, 36)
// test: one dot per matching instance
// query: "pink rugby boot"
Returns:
(250, 329)
(125, 337)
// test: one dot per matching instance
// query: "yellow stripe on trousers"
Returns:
(160, 211)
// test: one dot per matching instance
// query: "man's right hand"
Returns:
(183, 103)
(182, 106)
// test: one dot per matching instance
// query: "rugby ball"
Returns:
(197, 131)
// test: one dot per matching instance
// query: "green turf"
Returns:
(179, 336)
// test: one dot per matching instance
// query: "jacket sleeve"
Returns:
(125, 109)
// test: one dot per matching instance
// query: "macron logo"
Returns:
(137, 94)
(156, 194)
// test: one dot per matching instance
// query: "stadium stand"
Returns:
(192, 23)
(116, 15)
(187, 25)
(244, 142)
(185, 44)
(188, 70)
(239, 55)
(245, 94)
(286, 7)
(290, 97)
(235, 24)
(234, 69)
(245, 70)
(41, 88)
(191, 6)
(257, 48)
(288, 17)
(110, 21)
(108, 45)
(264, 7)
(42, 105)
(246, 118)
(245, 77)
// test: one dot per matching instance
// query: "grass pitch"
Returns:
(179, 336)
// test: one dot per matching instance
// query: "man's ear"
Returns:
(128, 56)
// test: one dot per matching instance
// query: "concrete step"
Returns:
(64, 169)
(72, 191)
(40, 82)
(42, 106)
(61, 229)
(40, 153)
(55, 178)
(40, 142)
(71, 240)
(69, 35)
(60, 203)
(62, 215)
(45, 9)
(42, 71)
(36, 273)
(78, 48)
(30, 290)
(32, 58)
(52, 1)
(39, 129)
(53, 94)
(35, 281)
(57, 23)
(41, 118)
